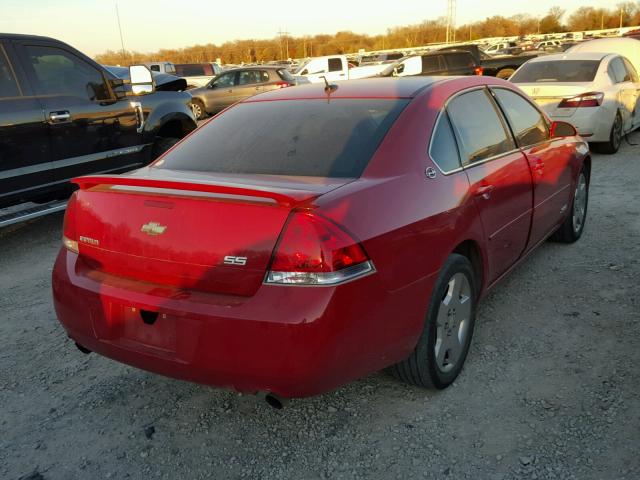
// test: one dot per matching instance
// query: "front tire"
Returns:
(197, 107)
(444, 343)
(573, 226)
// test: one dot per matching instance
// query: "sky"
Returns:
(149, 25)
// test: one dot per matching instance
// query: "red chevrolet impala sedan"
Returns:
(306, 237)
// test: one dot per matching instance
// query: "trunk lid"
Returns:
(548, 96)
(206, 232)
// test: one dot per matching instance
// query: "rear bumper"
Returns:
(292, 341)
(593, 123)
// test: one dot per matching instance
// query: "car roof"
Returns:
(407, 87)
(256, 67)
(23, 36)
(558, 57)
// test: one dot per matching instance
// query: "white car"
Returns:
(596, 92)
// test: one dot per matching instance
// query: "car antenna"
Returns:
(329, 88)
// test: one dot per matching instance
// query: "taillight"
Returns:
(282, 84)
(478, 71)
(591, 99)
(314, 251)
(69, 236)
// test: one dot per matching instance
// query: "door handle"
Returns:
(59, 117)
(538, 166)
(485, 191)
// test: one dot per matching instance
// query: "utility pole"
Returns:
(451, 21)
(120, 29)
(284, 34)
(621, 12)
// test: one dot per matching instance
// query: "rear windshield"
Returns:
(320, 138)
(557, 71)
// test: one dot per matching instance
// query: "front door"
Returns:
(90, 130)
(221, 92)
(25, 161)
(498, 174)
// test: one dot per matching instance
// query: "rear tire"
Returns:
(615, 137)
(505, 73)
(444, 343)
(573, 226)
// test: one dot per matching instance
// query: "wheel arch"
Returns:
(471, 250)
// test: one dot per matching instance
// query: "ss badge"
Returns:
(230, 260)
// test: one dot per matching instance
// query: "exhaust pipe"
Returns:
(82, 349)
(273, 400)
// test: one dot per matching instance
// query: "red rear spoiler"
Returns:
(94, 180)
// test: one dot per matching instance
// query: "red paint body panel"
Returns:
(221, 325)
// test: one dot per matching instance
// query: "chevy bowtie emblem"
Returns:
(153, 228)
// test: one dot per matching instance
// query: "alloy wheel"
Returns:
(616, 134)
(452, 324)
(580, 203)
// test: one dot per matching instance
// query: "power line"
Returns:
(120, 29)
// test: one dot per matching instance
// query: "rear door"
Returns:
(250, 82)
(499, 176)
(90, 129)
(25, 161)
(627, 90)
(549, 159)
(635, 80)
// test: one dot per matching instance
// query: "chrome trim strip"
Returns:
(67, 162)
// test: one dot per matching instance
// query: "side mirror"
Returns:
(141, 80)
(562, 129)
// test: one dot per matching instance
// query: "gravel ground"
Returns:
(551, 388)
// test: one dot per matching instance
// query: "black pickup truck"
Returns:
(63, 115)
(501, 66)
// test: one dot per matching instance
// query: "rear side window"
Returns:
(312, 138)
(431, 63)
(631, 70)
(8, 84)
(190, 70)
(58, 72)
(617, 71)
(527, 123)
(335, 64)
(443, 150)
(557, 71)
(479, 127)
(155, 68)
(460, 60)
